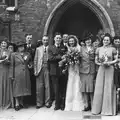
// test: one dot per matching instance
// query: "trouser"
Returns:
(54, 82)
(63, 86)
(42, 87)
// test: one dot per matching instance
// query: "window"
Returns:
(10, 2)
(2, 1)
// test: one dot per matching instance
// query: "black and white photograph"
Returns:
(59, 59)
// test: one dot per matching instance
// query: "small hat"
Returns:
(20, 43)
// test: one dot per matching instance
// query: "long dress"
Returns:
(5, 91)
(104, 100)
(74, 99)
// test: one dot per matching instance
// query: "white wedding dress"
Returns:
(74, 100)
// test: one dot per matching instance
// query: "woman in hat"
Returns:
(87, 71)
(5, 98)
(104, 101)
(20, 74)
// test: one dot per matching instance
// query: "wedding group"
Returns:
(78, 75)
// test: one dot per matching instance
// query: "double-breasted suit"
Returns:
(42, 75)
(54, 56)
(31, 49)
(87, 69)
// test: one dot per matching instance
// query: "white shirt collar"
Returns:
(28, 45)
(57, 45)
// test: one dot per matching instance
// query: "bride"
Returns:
(74, 99)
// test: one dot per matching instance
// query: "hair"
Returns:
(14, 46)
(116, 37)
(45, 36)
(57, 33)
(75, 39)
(27, 34)
(5, 40)
(107, 35)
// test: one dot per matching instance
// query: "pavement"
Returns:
(44, 113)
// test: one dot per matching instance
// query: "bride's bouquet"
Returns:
(70, 58)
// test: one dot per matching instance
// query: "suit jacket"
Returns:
(54, 56)
(87, 61)
(38, 60)
(31, 50)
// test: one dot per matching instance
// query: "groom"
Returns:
(55, 54)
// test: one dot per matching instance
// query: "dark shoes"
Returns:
(49, 105)
(87, 108)
(17, 108)
(62, 108)
(38, 107)
(56, 108)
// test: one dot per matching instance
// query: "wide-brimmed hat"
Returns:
(20, 43)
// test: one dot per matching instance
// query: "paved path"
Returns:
(32, 113)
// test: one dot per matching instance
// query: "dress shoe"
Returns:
(62, 108)
(38, 107)
(56, 108)
(49, 105)
(87, 109)
(17, 108)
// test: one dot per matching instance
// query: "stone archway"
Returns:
(65, 7)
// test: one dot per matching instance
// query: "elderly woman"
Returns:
(5, 95)
(104, 101)
(87, 71)
(20, 75)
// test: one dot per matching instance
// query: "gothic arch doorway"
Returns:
(77, 16)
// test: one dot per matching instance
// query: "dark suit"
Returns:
(54, 56)
(31, 50)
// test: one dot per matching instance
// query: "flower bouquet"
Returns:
(104, 60)
(4, 58)
(70, 58)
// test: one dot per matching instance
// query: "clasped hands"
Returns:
(4, 59)
(107, 64)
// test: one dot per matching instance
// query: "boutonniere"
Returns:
(25, 57)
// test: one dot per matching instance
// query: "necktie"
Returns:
(45, 50)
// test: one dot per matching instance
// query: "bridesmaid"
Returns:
(5, 95)
(87, 71)
(104, 101)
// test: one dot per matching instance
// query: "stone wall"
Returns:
(34, 13)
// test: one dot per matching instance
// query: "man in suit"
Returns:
(65, 39)
(31, 49)
(63, 75)
(42, 74)
(55, 54)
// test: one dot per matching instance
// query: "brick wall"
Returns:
(34, 13)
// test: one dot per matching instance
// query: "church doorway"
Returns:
(77, 16)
